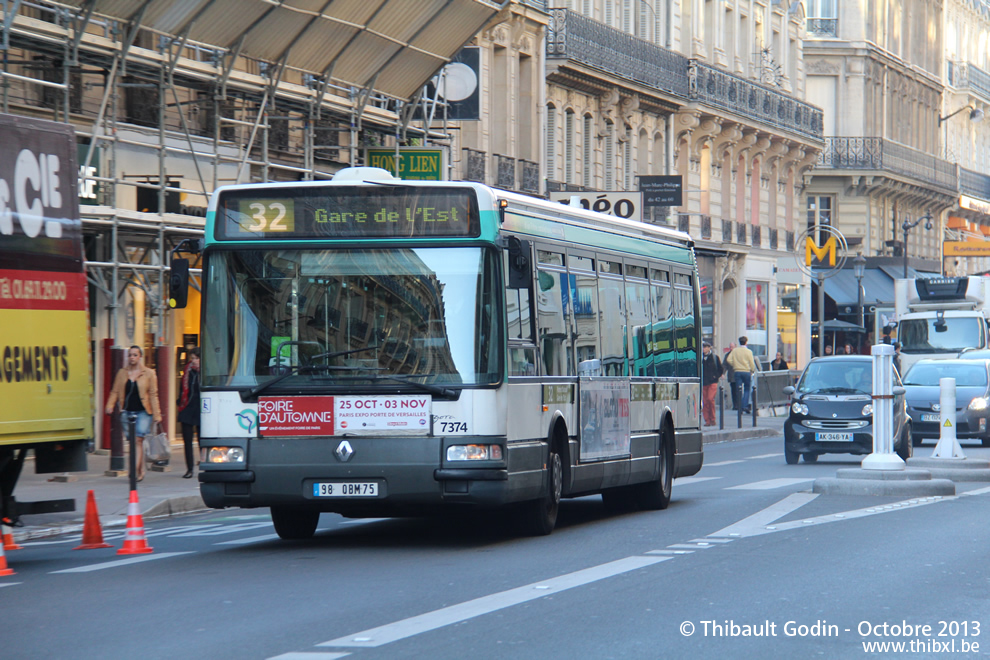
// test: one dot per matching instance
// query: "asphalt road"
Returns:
(744, 548)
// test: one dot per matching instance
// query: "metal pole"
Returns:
(721, 408)
(859, 300)
(905, 251)
(821, 314)
(132, 463)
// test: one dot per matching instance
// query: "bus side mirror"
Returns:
(178, 283)
(520, 271)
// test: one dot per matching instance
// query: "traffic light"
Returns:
(178, 283)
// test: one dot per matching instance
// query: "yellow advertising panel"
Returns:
(44, 376)
(966, 248)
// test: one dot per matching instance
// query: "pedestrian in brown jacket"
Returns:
(135, 387)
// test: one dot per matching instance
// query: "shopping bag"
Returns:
(156, 447)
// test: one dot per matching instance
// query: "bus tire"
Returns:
(539, 517)
(294, 524)
(655, 495)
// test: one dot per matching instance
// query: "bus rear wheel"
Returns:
(540, 516)
(294, 524)
(655, 494)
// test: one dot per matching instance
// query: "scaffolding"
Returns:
(170, 105)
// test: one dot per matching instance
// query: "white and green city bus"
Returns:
(376, 347)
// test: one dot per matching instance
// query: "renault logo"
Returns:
(344, 451)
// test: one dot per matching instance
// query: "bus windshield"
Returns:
(927, 335)
(320, 319)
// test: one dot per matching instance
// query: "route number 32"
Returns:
(269, 216)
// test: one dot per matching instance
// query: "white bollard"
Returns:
(948, 444)
(883, 456)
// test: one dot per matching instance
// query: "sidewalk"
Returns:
(166, 493)
(160, 494)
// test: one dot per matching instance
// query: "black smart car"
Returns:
(832, 411)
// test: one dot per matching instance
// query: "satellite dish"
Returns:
(456, 82)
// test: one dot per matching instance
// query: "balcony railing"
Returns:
(873, 153)
(474, 165)
(572, 36)
(963, 75)
(505, 172)
(529, 176)
(975, 184)
(823, 27)
(721, 89)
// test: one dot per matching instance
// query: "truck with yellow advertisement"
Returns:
(45, 384)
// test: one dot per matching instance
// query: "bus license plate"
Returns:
(834, 437)
(346, 489)
(930, 417)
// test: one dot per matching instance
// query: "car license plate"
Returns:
(930, 417)
(834, 437)
(346, 489)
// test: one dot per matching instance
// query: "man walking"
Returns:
(742, 361)
(711, 371)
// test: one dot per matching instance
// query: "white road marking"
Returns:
(978, 491)
(721, 463)
(762, 518)
(10, 584)
(446, 616)
(685, 481)
(226, 529)
(296, 655)
(770, 484)
(844, 515)
(691, 546)
(711, 540)
(123, 562)
(753, 458)
(667, 552)
(250, 539)
(178, 530)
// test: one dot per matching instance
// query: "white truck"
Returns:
(941, 317)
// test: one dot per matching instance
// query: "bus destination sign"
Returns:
(342, 212)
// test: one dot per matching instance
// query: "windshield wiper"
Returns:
(293, 369)
(435, 390)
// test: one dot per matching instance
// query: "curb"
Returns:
(173, 506)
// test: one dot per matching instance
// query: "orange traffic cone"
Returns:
(3, 564)
(134, 540)
(8, 538)
(92, 532)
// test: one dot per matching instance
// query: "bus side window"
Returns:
(517, 308)
(522, 361)
(553, 310)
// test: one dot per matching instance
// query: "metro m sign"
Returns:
(820, 253)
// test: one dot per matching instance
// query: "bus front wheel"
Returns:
(294, 524)
(540, 516)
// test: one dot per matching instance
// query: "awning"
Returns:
(878, 288)
(897, 272)
(391, 46)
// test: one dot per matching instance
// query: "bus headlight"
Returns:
(224, 455)
(474, 453)
(799, 408)
(979, 403)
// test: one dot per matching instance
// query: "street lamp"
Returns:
(975, 114)
(908, 226)
(859, 269)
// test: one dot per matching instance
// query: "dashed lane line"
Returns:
(770, 484)
(123, 562)
(687, 481)
(393, 632)
(296, 655)
(721, 463)
(753, 458)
